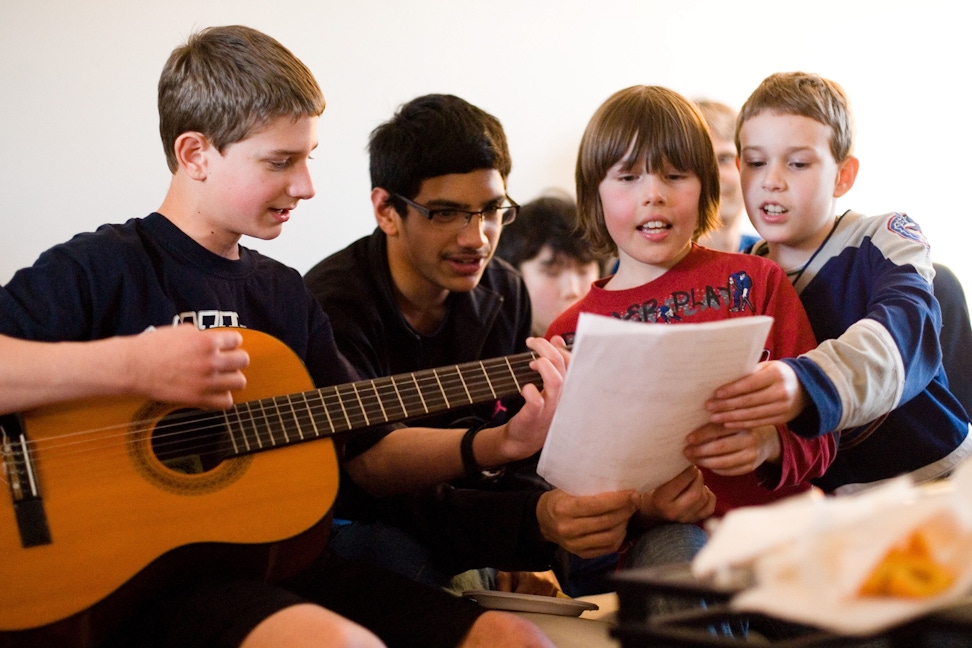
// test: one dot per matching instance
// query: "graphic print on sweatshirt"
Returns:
(904, 227)
(682, 305)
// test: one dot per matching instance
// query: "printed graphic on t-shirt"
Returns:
(207, 319)
(735, 296)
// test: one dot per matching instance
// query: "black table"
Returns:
(638, 628)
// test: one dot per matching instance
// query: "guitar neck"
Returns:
(282, 420)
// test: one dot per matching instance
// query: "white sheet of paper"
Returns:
(633, 392)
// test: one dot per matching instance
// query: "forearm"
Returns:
(178, 364)
(863, 368)
(40, 373)
(802, 459)
(414, 458)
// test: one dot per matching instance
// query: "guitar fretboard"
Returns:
(283, 420)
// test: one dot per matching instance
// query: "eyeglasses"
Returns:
(451, 218)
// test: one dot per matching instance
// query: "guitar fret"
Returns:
(332, 409)
(419, 390)
(512, 374)
(229, 429)
(435, 396)
(374, 388)
(255, 424)
(502, 377)
(445, 397)
(293, 413)
(364, 412)
(266, 420)
(398, 395)
(450, 384)
(488, 382)
(243, 427)
(283, 425)
(465, 387)
(313, 419)
(344, 410)
(411, 398)
(266, 423)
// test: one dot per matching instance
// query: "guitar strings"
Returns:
(415, 393)
(271, 410)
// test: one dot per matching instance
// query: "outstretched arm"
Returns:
(411, 458)
(174, 364)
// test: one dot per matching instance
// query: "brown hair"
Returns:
(720, 118)
(226, 82)
(807, 95)
(647, 123)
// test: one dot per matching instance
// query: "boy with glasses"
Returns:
(424, 291)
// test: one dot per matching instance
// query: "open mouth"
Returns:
(655, 226)
(466, 265)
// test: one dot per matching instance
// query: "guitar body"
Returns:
(115, 511)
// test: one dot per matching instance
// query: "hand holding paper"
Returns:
(633, 392)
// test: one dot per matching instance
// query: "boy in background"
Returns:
(866, 284)
(727, 235)
(557, 266)
(238, 119)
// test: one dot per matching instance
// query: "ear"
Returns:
(190, 152)
(386, 215)
(846, 174)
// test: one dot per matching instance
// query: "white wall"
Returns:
(78, 124)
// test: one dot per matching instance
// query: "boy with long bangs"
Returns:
(238, 119)
(866, 284)
(647, 187)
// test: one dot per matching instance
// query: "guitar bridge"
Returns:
(25, 494)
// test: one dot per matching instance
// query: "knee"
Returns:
(666, 544)
(309, 626)
(504, 630)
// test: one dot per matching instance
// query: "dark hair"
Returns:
(546, 221)
(648, 123)
(431, 136)
(226, 82)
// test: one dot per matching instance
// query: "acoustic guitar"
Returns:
(109, 497)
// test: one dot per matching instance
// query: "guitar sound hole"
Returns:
(191, 442)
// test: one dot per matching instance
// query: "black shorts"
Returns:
(221, 613)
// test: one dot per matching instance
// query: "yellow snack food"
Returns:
(908, 571)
